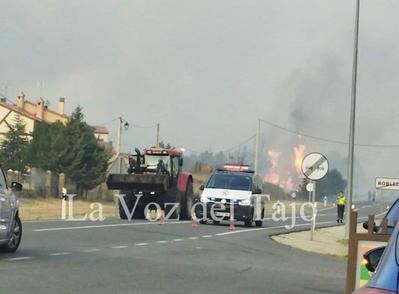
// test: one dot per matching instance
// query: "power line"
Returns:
(108, 122)
(130, 124)
(227, 149)
(143, 127)
(323, 139)
(240, 144)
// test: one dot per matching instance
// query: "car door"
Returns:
(5, 205)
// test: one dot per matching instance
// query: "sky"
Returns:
(207, 70)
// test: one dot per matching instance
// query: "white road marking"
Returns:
(328, 208)
(59, 253)
(161, 242)
(91, 250)
(119, 247)
(106, 226)
(269, 228)
(207, 236)
(192, 238)
(290, 217)
(178, 240)
(141, 244)
(18, 258)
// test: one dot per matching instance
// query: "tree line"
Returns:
(70, 148)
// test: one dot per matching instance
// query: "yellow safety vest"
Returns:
(341, 200)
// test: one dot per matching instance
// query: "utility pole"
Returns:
(352, 122)
(256, 163)
(157, 135)
(118, 144)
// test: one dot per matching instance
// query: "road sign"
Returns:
(315, 166)
(387, 184)
(310, 187)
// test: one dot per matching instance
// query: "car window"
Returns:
(233, 182)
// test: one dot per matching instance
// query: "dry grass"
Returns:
(42, 209)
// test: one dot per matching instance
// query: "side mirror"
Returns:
(202, 187)
(16, 186)
(372, 258)
(366, 226)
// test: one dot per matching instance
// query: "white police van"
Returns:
(233, 192)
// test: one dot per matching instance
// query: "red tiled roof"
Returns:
(100, 130)
(20, 111)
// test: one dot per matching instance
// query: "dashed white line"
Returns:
(106, 226)
(207, 236)
(18, 258)
(59, 253)
(270, 228)
(141, 244)
(119, 247)
(178, 240)
(192, 238)
(161, 242)
(91, 250)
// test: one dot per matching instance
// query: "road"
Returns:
(116, 256)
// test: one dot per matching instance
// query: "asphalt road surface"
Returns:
(116, 256)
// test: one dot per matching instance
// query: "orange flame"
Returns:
(292, 175)
(272, 175)
(299, 152)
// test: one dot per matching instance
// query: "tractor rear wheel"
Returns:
(186, 202)
(172, 196)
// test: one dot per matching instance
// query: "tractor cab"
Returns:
(157, 161)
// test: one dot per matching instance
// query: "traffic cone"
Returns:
(162, 218)
(231, 225)
(194, 221)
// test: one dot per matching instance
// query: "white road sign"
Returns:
(310, 187)
(315, 166)
(387, 184)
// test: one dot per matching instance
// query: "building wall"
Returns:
(102, 137)
(8, 116)
(51, 117)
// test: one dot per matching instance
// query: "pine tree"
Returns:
(82, 159)
(45, 147)
(14, 146)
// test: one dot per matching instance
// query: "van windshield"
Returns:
(231, 182)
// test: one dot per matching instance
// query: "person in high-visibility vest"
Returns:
(341, 201)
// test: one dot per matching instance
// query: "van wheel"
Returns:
(16, 237)
(259, 224)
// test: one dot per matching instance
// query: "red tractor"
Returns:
(155, 176)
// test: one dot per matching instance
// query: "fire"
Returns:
(289, 184)
(272, 175)
(287, 175)
(299, 152)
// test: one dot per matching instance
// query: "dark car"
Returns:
(386, 267)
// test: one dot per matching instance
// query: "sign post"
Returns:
(314, 167)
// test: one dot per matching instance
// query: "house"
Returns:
(32, 112)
